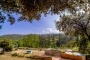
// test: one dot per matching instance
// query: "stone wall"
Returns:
(52, 52)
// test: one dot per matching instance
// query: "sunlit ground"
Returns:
(8, 57)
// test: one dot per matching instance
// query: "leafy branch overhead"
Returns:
(76, 25)
(32, 9)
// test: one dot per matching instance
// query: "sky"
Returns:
(45, 25)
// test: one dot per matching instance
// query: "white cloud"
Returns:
(45, 31)
(57, 20)
(49, 30)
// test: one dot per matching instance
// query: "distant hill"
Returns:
(61, 37)
(13, 36)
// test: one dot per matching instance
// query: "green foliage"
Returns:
(71, 44)
(54, 40)
(44, 42)
(38, 41)
(13, 36)
(63, 40)
(32, 9)
(48, 40)
(77, 24)
(31, 40)
(20, 55)
(83, 46)
(6, 45)
(58, 43)
(14, 54)
(20, 43)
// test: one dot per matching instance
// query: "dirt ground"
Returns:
(40, 53)
(34, 52)
(8, 57)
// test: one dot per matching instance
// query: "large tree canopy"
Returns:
(77, 25)
(32, 9)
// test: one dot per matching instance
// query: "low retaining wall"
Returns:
(68, 56)
(41, 57)
(53, 52)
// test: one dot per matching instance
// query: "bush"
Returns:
(9, 48)
(17, 54)
(14, 54)
(20, 55)
(6, 45)
(28, 56)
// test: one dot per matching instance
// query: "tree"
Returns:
(53, 41)
(44, 41)
(76, 25)
(6, 45)
(31, 40)
(20, 43)
(13, 36)
(30, 10)
(58, 43)
(71, 44)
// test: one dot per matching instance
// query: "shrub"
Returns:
(6, 45)
(14, 54)
(28, 56)
(20, 55)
